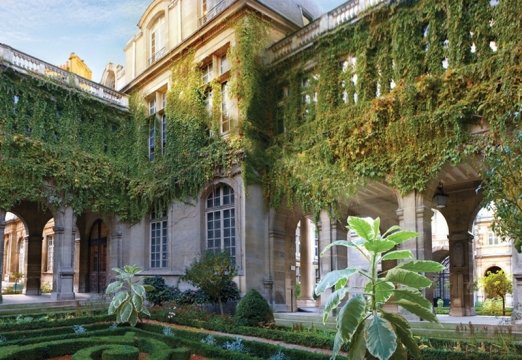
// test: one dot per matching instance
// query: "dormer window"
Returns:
(157, 40)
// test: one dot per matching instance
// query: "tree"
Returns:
(213, 273)
(128, 297)
(361, 320)
(503, 178)
(497, 284)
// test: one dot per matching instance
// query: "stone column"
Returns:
(33, 263)
(461, 273)
(415, 215)
(63, 269)
(307, 263)
(115, 248)
(2, 228)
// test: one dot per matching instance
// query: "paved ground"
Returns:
(44, 298)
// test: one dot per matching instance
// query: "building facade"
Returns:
(199, 62)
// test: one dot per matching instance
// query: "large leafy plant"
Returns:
(128, 297)
(361, 321)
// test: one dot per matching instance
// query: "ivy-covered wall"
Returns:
(434, 66)
(311, 129)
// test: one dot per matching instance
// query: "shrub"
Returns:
(253, 310)
(159, 291)
(190, 297)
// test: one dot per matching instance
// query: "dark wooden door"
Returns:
(97, 258)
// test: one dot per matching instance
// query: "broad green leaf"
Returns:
(333, 301)
(376, 228)
(114, 287)
(422, 266)
(337, 243)
(145, 310)
(341, 283)
(379, 245)
(126, 311)
(338, 343)
(357, 350)
(397, 255)
(408, 278)
(148, 288)
(403, 331)
(362, 227)
(400, 352)
(137, 300)
(138, 289)
(392, 229)
(401, 236)
(383, 290)
(416, 309)
(413, 295)
(381, 340)
(332, 278)
(133, 318)
(350, 316)
(117, 300)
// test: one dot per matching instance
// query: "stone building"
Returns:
(77, 66)
(231, 214)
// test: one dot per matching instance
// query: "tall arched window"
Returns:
(221, 220)
(157, 40)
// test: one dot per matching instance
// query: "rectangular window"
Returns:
(224, 65)
(163, 100)
(208, 102)
(206, 73)
(214, 231)
(152, 106)
(163, 133)
(152, 139)
(225, 108)
(50, 253)
(158, 240)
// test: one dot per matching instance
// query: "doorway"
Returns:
(97, 257)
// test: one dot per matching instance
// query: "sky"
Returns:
(96, 30)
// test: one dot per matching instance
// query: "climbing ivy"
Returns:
(310, 132)
(405, 115)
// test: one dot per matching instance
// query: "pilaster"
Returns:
(461, 273)
(63, 274)
(2, 228)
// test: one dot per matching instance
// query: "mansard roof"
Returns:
(293, 10)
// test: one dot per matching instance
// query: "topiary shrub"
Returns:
(160, 292)
(253, 310)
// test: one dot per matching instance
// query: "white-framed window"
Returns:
(493, 238)
(298, 240)
(225, 108)
(21, 256)
(152, 139)
(159, 250)
(152, 106)
(157, 40)
(208, 101)
(224, 65)
(207, 73)
(50, 253)
(220, 217)
(163, 124)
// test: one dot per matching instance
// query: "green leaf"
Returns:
(138, 289)
(137, 300)
(383, 290)
(361, 227)
(400, 352)
(114, 287)
(357, 349)
(338, 343)
(145, 311)
(341, 283)
(422, 266)
(392, 229)
(133, 318)
(126, 312)
(379, 245)
(403, 330)
(381, 340)
(376, 227)
(117, 300)
(401, 236)
(332, 278)
(397, 255)
(350, 316)
(412, 295)
(408, 278)
(420, 311)
(333, 301)
(338, 243)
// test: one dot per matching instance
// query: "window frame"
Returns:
(158, 231)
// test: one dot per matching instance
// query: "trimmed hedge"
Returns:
(39, 324)
(253, 310)
(108, 352)
(437, 354)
